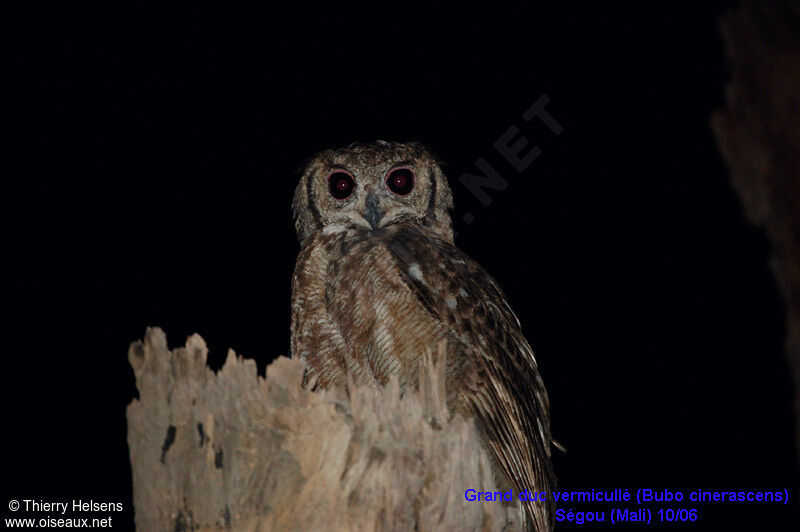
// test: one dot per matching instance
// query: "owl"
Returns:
(379, 281)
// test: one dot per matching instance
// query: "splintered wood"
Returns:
(234, 451)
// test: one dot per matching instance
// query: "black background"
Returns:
(159, 148)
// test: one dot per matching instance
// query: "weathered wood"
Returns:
(236, 451)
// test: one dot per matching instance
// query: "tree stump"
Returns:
(235, 451)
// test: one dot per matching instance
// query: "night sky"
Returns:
(159, 147)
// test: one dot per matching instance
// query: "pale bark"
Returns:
(236, 451)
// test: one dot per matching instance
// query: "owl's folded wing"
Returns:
(504, 391)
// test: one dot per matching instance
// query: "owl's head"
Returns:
(367, 187)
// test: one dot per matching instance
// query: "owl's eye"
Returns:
(400, 181)
(341, 184)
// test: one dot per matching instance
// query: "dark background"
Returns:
(159, 149)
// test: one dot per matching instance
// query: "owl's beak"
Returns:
(374, 212)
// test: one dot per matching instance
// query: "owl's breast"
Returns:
(372, 303)
(384, 316)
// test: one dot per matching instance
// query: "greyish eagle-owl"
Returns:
(379, 281)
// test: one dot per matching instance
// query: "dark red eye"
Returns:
(400, 181)
(341, 184)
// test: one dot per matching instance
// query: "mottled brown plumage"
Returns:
(378, 282)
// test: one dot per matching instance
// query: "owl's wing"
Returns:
(504, 390)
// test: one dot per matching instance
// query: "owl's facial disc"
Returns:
(368, 187)
(372, 197)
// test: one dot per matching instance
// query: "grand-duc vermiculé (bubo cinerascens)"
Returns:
(379, 282)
